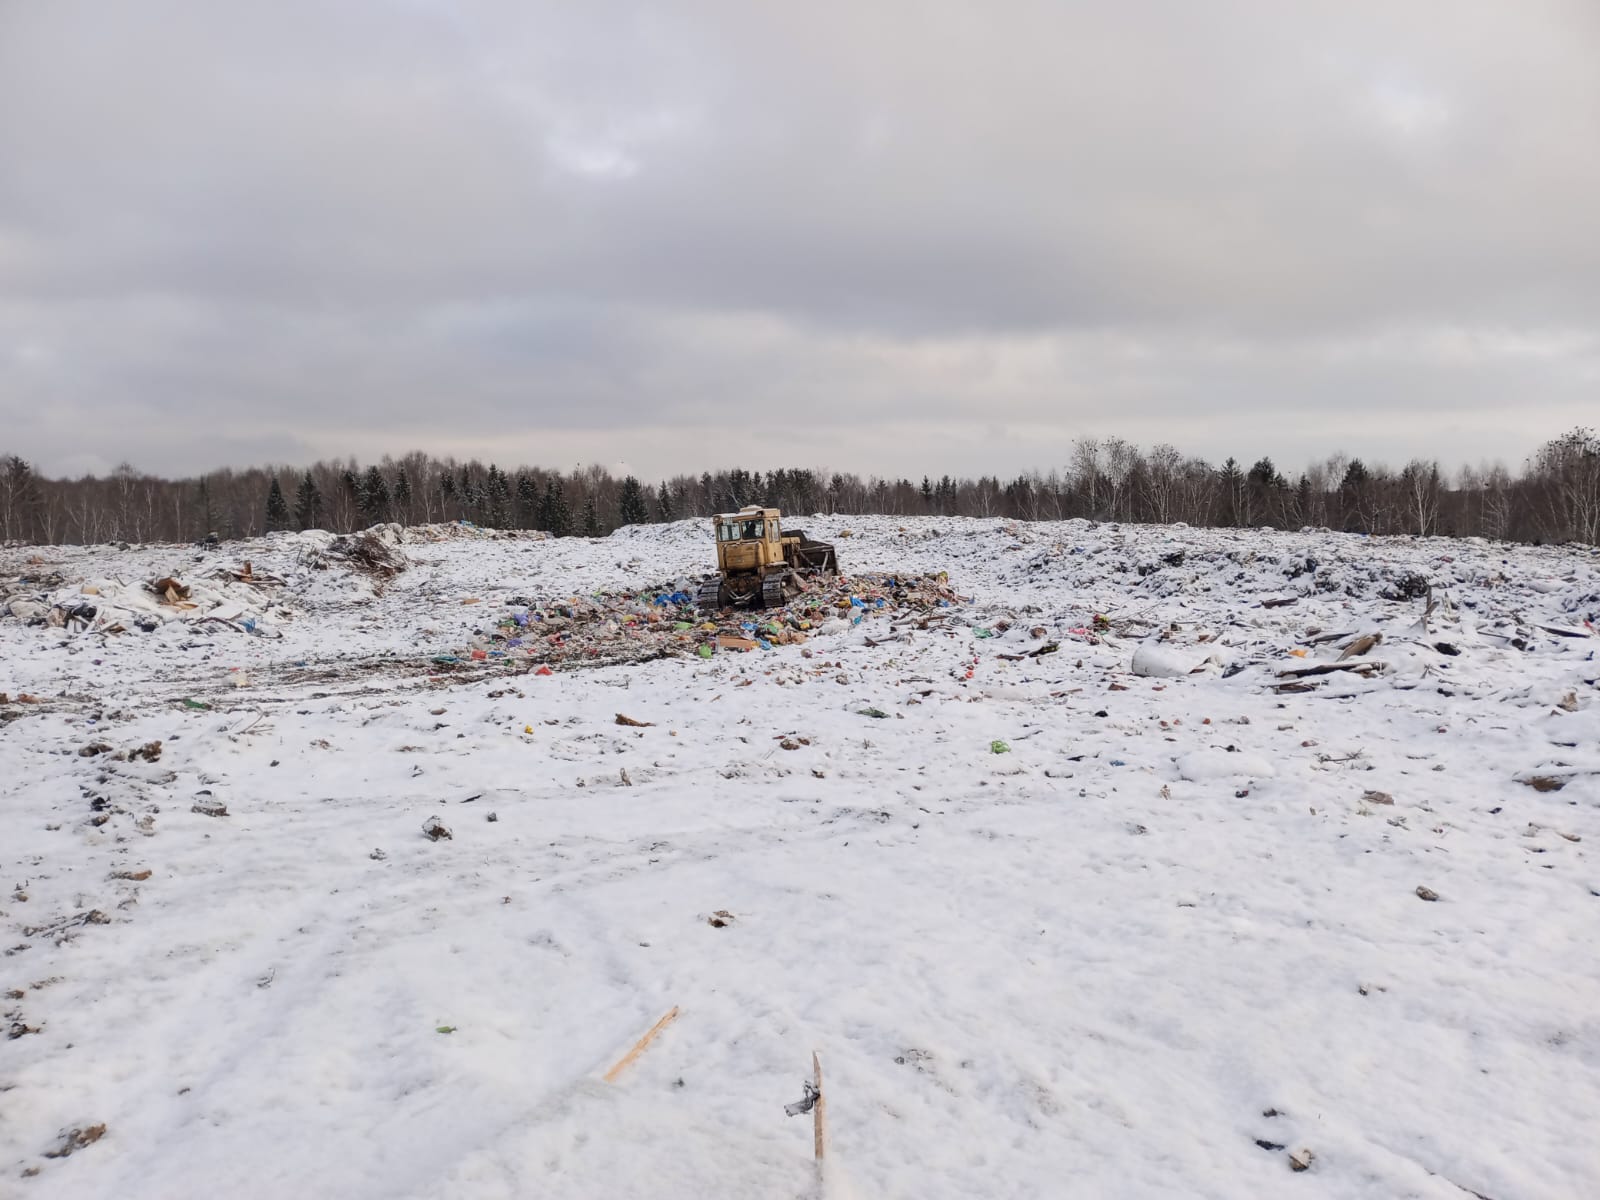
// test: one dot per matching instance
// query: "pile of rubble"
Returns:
(452, 531)
(239, 598)
(375, 552)
(378, 550)
(624, 627)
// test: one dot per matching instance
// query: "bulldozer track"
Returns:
(709, 597)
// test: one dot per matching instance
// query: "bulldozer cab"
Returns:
(749, 540)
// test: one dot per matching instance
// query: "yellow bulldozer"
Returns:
(759, 564)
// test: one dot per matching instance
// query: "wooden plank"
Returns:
(818, 1112)
(1367, 666)
(640, 1046)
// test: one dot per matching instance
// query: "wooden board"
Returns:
(818, 1111)
(641, 1045)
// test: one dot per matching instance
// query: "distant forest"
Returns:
(1554, 498)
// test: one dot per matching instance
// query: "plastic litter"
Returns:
(609, 628)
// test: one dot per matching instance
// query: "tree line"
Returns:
(1555, 497)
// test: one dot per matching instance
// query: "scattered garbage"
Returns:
(1154, 659)
(1545, 783)
(72, 1140)
(436, 830)
(245, 601)
(238, 596)
(208, 805)
(608, 628)
(807, 1101)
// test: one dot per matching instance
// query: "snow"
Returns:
(1089, 965)
(1204, 766)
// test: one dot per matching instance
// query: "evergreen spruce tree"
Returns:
(1353, 490)
(527, 501)
(631, 507)
(277, 507)
(591, 519)
(1233, 491)
(554, 515)
(447, 494)
(307, 503)
(664, 503)
(402, 493)
(374, 494)
(497, 498)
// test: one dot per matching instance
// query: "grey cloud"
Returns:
(931, 235)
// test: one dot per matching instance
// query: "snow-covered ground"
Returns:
(1054, 927)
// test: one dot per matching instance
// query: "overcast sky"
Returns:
(901, 237)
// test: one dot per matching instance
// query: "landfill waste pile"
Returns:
(148, 587)
(1185, 859)
(1264, 609)
(636, 626)
(373, 551)
(238, 598)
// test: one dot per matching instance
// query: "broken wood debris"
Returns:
(72, 1140)
(1361, 645)
(1366, 669)
(641, 1045)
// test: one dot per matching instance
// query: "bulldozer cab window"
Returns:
(743, 531)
